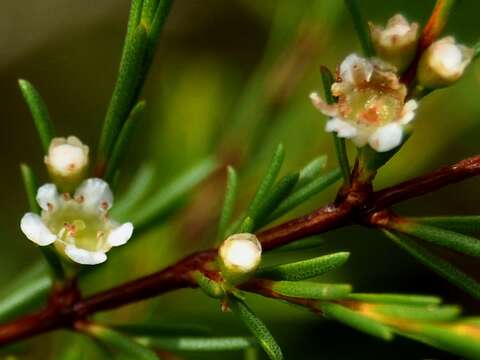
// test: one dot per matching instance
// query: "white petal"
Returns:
(387, 137)
(322, 106)
(341, 127)
(84, 257)
(47, 197)
(35, 230)
(355, 69)
(120, 235)
(408, 111)
(95, 193)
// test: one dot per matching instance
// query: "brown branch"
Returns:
(354, 203)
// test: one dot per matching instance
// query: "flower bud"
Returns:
(239, 256)
(397, 42)
(67, 162)
(443, 63)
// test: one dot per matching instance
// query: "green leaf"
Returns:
(137, 190)
(361, 27)
(399, 299)
(450, 239)
(303, 244)
(311, 171)
(301, 195)
(246, 226)
(209, 287)
(311, 290)
(123, 141)
(165, 200)
(148, 10)
(188, 343)
(437, 264)
(26, 291)
(121, 343)
(356, 321)
(467, 224)
(162, 329)
(268, 180)
(124, 93)
(228, 203)
(457, 340)
(161, 13)
(133, 19)
(48, 252)
(278, 193)
(257, 328)
(418, 313)
(305, 269)
(39, 112)
(340, 148)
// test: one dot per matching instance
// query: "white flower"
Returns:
(78, 226)
(371, 104)
(397, 42)
(241, 253)
(67, 161)
(443, 63)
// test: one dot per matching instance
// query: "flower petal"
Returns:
(47, 197)
(343, 128)
(84, 257)
(355, 69)
(322, 106)
(386, 137)
(408, 111)
(95, 193)
(35, 230)
(120, 235)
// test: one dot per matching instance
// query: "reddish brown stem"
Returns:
(353, 204)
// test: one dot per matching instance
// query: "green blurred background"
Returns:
(230, 78)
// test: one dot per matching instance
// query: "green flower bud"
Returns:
(397, 42)
(443, 63)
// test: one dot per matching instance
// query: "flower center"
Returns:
(73, 225)
(374, 107)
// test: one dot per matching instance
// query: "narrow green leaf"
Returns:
(74, 349)
(123, 141)
(311, 171)
(228, 203)
(188, 343)
(457, 340)
(155, 330)
(301, 195)
(124, 93)
(247, 225)
(450, 239)
(268, 180)
(49, 253)
(209, 287)
(340, 147)
(277, 194)
(137, 190)
(25, 292)
(161, 13)
(311, 290)
(305, 269)
(303, 244)
(399, 299)
(467, 224)
(39, 112)
(437, 264)
(133, 18)
(361, 27)
(165, 200)
(121, 343)
(356, 321)
(418, 313)
(257, 328)
(148, 10)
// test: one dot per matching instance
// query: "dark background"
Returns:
(223, 82)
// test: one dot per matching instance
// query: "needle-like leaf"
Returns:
(361, 27)
(39, 111)
(190, 343)
(228, 203)
(398, 299)
(311, 290)
(467, 224)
